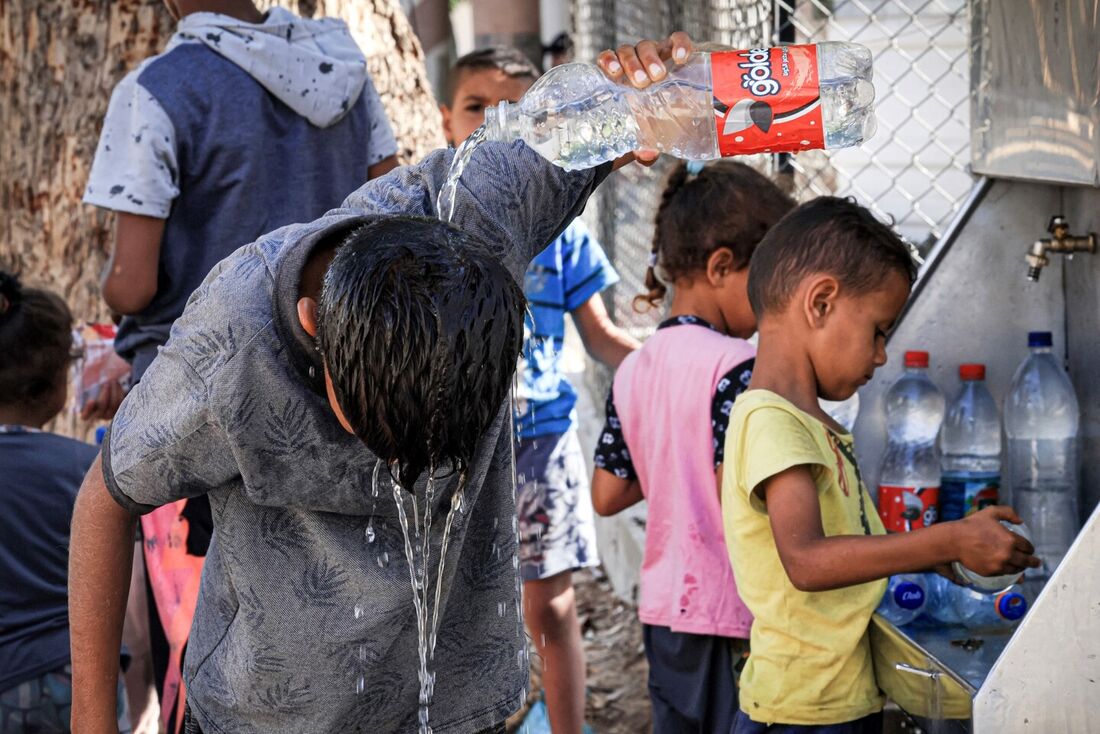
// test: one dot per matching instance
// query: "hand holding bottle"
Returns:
(985, 547)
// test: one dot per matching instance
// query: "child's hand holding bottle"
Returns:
(984, 546)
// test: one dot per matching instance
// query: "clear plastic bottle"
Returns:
(908, 492)
(1041, 421)
(844, 412)
(991, 584)
(977, 610)
(970, 444)
(940, 605)
(716, 104)
(905, 599)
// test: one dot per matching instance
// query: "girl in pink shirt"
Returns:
(665, 430)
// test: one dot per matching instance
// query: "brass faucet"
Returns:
(1060, 241)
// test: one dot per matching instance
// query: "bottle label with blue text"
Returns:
(964, 493)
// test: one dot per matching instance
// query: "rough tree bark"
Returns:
(59, 62)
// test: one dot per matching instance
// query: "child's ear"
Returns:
(445, 110)
(820, 299)
(307, 315)
(720, 264)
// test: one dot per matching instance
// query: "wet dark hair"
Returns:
(826, 235)
(420, 326)
(726, 204)
(36, 342)
(511, 61)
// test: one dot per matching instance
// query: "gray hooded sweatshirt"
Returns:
(235, 130)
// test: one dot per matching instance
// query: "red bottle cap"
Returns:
(972, 371)
(916, 359)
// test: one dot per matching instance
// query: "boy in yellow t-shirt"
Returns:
(808, 550)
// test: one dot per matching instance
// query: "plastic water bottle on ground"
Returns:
(991, 584)
(908, 493)
(1041, 421)
(905, 599)
(977, 610)
(970, 444)
(724, 103)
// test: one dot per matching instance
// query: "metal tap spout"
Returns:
(1061, 241)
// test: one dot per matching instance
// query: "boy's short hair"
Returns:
(826, 235)
(506, 59)
(420, 326)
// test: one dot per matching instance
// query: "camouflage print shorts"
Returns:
(43, 705)
(557, 529)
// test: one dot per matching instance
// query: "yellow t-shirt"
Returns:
(810, 660)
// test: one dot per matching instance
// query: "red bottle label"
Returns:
(907, 508)
(767, 100)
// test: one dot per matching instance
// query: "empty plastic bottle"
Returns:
(723, 103)
(991, 584)
(1041, 422)
(904, 600)
(970, 444)
(909, 485)
(977, 610)
(940, 605)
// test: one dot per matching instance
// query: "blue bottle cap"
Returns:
(1011, 605)
(908, 595)
(1039, 339)
(100, 433)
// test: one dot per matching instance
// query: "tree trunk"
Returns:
(59, 62)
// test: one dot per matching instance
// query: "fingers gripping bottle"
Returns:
(1041, 421)
(905, 599)
(991, 584)
(970, 444)
(909, 485)
(724, 103)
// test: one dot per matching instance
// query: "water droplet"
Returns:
(358, 612)
(361, 684)
(370, 533)
(501, 607)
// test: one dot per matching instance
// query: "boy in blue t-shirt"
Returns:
(556, 524)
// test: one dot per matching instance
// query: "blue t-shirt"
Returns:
(561, 278)
(40, 474)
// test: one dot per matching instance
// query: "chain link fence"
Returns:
(913, 172)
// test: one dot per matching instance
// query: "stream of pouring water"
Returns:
(445, 203)
(427, 627)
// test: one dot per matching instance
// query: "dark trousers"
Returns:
(867, 725)
(692, 680)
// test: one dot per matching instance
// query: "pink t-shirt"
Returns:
(663, 394)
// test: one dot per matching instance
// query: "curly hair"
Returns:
(725, 204)
(420, 328)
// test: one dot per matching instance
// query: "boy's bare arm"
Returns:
(602, 338)
(101, 549)
(612, 495)
(815, 562)
(130, 280)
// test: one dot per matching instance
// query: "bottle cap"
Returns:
(916, 359)
(1039, 339)
(972, 371)
(1011, 605)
